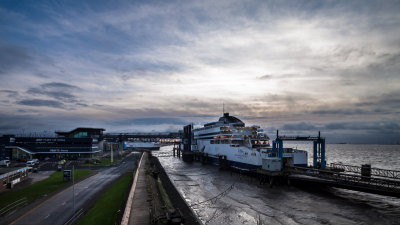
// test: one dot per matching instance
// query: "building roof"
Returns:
(79, 129)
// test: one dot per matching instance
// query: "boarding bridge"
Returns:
(318, 143)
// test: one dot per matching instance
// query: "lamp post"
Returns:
(73, 190)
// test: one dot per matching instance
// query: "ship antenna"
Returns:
(223, 108)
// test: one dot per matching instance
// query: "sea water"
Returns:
(378, 156)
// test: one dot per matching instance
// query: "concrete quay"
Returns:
(153, 199)
(137, 207)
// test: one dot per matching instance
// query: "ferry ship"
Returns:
(243, 147)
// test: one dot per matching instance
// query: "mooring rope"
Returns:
(215, 198)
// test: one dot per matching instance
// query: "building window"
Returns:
(80, 134)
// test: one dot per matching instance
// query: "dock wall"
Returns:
(176, 198)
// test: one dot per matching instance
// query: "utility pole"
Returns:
(73, 190)
(112, 156)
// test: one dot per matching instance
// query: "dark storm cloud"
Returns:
(41, 102)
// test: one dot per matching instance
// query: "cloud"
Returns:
(13, 58)
(59, 85)
(382, 127)
(267, 61)
(41, 102)
(10, 93)
(341, 112)
(390, 100)
(17, 60)
(299, 126)
(150, 121)
(265, 77)
(60, 91)
(16, 123)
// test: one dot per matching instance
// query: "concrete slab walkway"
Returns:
(137, 209)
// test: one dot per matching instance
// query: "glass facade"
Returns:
(80, 135)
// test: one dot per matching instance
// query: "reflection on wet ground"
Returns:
(222, 197)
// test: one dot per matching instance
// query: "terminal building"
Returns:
(78, 143)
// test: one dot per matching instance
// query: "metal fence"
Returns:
(393, 174)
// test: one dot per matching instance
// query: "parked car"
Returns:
(30, 163)
(5, 163)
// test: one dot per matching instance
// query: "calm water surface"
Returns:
(379, 156)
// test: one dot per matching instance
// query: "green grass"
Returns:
(105, 209)
(41, 188)
(164, 195)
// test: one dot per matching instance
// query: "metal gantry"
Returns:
(318, 147)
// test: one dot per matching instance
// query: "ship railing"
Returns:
(392, 174)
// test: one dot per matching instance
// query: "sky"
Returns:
(140, 66)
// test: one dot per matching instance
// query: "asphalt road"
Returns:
(59, 208)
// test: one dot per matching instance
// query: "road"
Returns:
(59, 208)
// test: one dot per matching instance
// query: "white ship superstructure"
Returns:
(244, 147)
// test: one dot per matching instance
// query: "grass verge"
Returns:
(105, 209)
(164, 196)
(41, 188)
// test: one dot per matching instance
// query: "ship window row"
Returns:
(227, 141)
(255, 142)
(207, 134)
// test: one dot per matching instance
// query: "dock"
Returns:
(153, 199)
(364, 178)
(383, 185)
(136, 210)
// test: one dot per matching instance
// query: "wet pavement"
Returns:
(222, 197)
